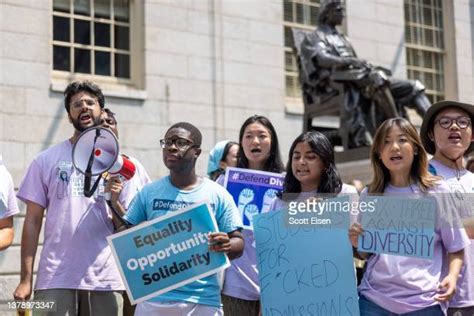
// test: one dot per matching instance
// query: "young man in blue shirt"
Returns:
(183, 187)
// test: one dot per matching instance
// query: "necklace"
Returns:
(457, 173)
(457, 170)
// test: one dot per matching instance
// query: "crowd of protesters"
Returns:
(77, 270)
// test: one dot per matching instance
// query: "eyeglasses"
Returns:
(446, 122)
(89, 102)
(180, 143)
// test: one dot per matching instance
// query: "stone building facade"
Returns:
(210, 62)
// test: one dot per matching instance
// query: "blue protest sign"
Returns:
(399, 226)
(304, 270)
(168, 252)
(252, 190)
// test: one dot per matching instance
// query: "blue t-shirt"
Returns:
(160, 197)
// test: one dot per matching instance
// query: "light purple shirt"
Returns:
(463, 190)
(8, 203)
(406, 284)
(75, 252)
(241, 278)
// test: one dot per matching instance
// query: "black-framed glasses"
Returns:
(180, 143)
(446, 122)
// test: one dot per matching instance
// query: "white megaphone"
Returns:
(97, 151)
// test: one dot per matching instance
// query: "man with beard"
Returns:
(76, 268)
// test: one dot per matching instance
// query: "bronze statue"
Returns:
(335, 81)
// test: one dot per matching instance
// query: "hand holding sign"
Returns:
(354, 232)
(219, 242)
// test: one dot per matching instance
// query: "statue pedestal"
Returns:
(354, 164)
(348, 155)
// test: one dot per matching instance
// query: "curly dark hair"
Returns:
(79, 86)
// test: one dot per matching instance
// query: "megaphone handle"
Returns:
(88, 192)
(88, 175)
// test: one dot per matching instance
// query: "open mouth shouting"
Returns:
(302, 172)
(396, 158)
(85, 118)
(455, 138)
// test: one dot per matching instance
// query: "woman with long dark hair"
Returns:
(258, 150)
(311, 166)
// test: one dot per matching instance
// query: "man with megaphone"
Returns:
(76, 270)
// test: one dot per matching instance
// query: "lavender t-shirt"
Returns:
(463, 190)
(241, 278)
(75, 252)
(8, 204)
(405, 284)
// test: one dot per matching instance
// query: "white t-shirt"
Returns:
(8, 203)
